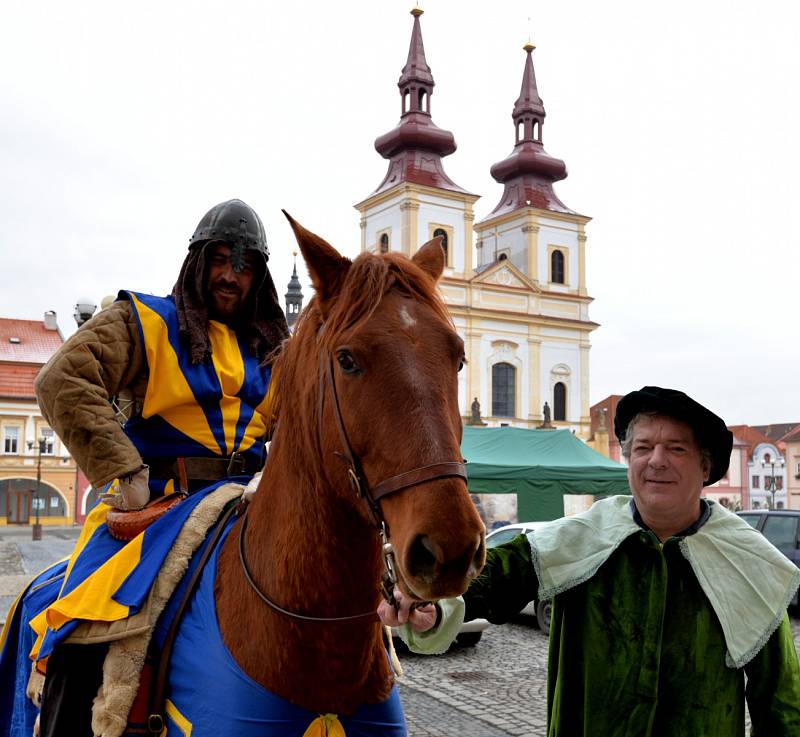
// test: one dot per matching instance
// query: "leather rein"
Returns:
(370, 494)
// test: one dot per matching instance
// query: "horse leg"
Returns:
(74, 676)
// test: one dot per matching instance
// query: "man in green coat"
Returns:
(669, 612)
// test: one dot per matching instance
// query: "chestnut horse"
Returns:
(372, 365)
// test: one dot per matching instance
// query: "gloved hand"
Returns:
(132, 491)
(252, 486)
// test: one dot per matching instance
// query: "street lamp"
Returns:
(84, 310)
(772, 485)
(37, 527)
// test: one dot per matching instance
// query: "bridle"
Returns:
(370, 494)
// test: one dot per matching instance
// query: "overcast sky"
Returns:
(120, 124)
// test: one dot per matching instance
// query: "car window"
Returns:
(781, 532)
(500, 537)
(751, 519)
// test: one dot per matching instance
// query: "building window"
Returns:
(557, 267)
(504, 390)
(560, 401)
(779, 483)
(384, 247)
(756, 481)
(47, 437)
(11, 440)
(443, 233)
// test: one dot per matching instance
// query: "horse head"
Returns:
(384, 408)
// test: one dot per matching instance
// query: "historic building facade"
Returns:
(515, 282)
(28, 446)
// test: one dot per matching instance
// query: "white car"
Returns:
(538, 609)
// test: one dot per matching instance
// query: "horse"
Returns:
(364, 484)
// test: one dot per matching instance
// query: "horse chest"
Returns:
(210, 694)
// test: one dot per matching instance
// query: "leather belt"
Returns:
(201, 468)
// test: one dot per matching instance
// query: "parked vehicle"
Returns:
(539, 609)
(782, 528)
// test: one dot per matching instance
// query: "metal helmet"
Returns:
(236, 223)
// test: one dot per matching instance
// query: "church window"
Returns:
(560, 401)
(557, 267)
(384, 243)
(536, 130)
(504, 390)
(443, 233)
(406, 98)
(520, 130)
(423, 101)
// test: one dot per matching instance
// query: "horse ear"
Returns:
(326, 266)
(430, 258)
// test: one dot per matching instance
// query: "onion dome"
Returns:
(416, 146)
(529, 171)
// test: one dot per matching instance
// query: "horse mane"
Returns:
(296, 370)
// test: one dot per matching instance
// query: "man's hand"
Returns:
(420, 618)
(134, 491)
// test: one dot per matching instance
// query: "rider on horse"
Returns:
(194, 370)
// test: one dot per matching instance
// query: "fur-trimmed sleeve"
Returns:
(75, 386)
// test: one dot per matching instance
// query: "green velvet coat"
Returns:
(637, 651)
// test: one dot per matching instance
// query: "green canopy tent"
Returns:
(539, 466)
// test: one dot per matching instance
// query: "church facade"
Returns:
(515, 281)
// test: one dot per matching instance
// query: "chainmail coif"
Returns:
(261, 324)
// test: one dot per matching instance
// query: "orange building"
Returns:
(28, 446)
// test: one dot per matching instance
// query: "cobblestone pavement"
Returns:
(495, 689)
(22, 558)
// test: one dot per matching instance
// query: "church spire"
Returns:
(529, 171)
(416, 146)
(294, 296)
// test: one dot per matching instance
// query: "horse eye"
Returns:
(461, 362)
(346, 362)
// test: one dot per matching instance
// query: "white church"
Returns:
(515, 281)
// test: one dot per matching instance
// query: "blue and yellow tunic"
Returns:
(212, 410)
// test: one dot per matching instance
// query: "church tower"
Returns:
(521, 306)
(531, 259)
(294, 297)
(416, 200)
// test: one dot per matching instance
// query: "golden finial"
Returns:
(417, 11)
(529, 46)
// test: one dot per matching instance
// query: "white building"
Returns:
(515, 282)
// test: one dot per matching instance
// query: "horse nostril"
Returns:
(476, 564)
(423, 557)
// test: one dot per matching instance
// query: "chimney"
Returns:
(50, 321)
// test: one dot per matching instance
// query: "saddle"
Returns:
(126, 525)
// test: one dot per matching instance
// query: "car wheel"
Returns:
(468, 639)
(543, 610)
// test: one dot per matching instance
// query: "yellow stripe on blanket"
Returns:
(325, 725)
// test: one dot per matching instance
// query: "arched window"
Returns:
(520, 130)
(536, 130)
(384, 243)
(560, 401)
(557, 267)
(423, 101)
(504, 390)
(441, 232)
(19, 500)
(406, 99)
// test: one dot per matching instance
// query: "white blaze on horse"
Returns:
(364, 474)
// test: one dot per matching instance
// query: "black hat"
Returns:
(710, 430)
